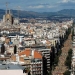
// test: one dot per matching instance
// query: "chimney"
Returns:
(32, 53)
(17, 57)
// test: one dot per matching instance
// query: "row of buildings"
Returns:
(30, 47)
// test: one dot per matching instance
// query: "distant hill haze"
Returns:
(31, 14)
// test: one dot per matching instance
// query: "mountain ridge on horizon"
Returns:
(33, 14)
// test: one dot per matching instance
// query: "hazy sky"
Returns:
(39, 5)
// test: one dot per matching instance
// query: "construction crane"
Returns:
(18, 8)
(6, 6)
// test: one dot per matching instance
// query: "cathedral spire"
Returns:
(9, 11)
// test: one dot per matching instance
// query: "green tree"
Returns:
(56, 60)
(67, 72)
(68, 59)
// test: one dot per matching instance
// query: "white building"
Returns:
(11, 69)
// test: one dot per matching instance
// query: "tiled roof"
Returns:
(26, 52)
(4, 58)
(37, 55)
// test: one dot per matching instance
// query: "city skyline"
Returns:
(39, 5)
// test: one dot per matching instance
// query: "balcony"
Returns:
(40, 62)
(36, 66)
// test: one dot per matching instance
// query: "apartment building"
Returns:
(33, 60)
(29, 42)
(46, 52)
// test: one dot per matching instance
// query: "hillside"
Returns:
(31, 14)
